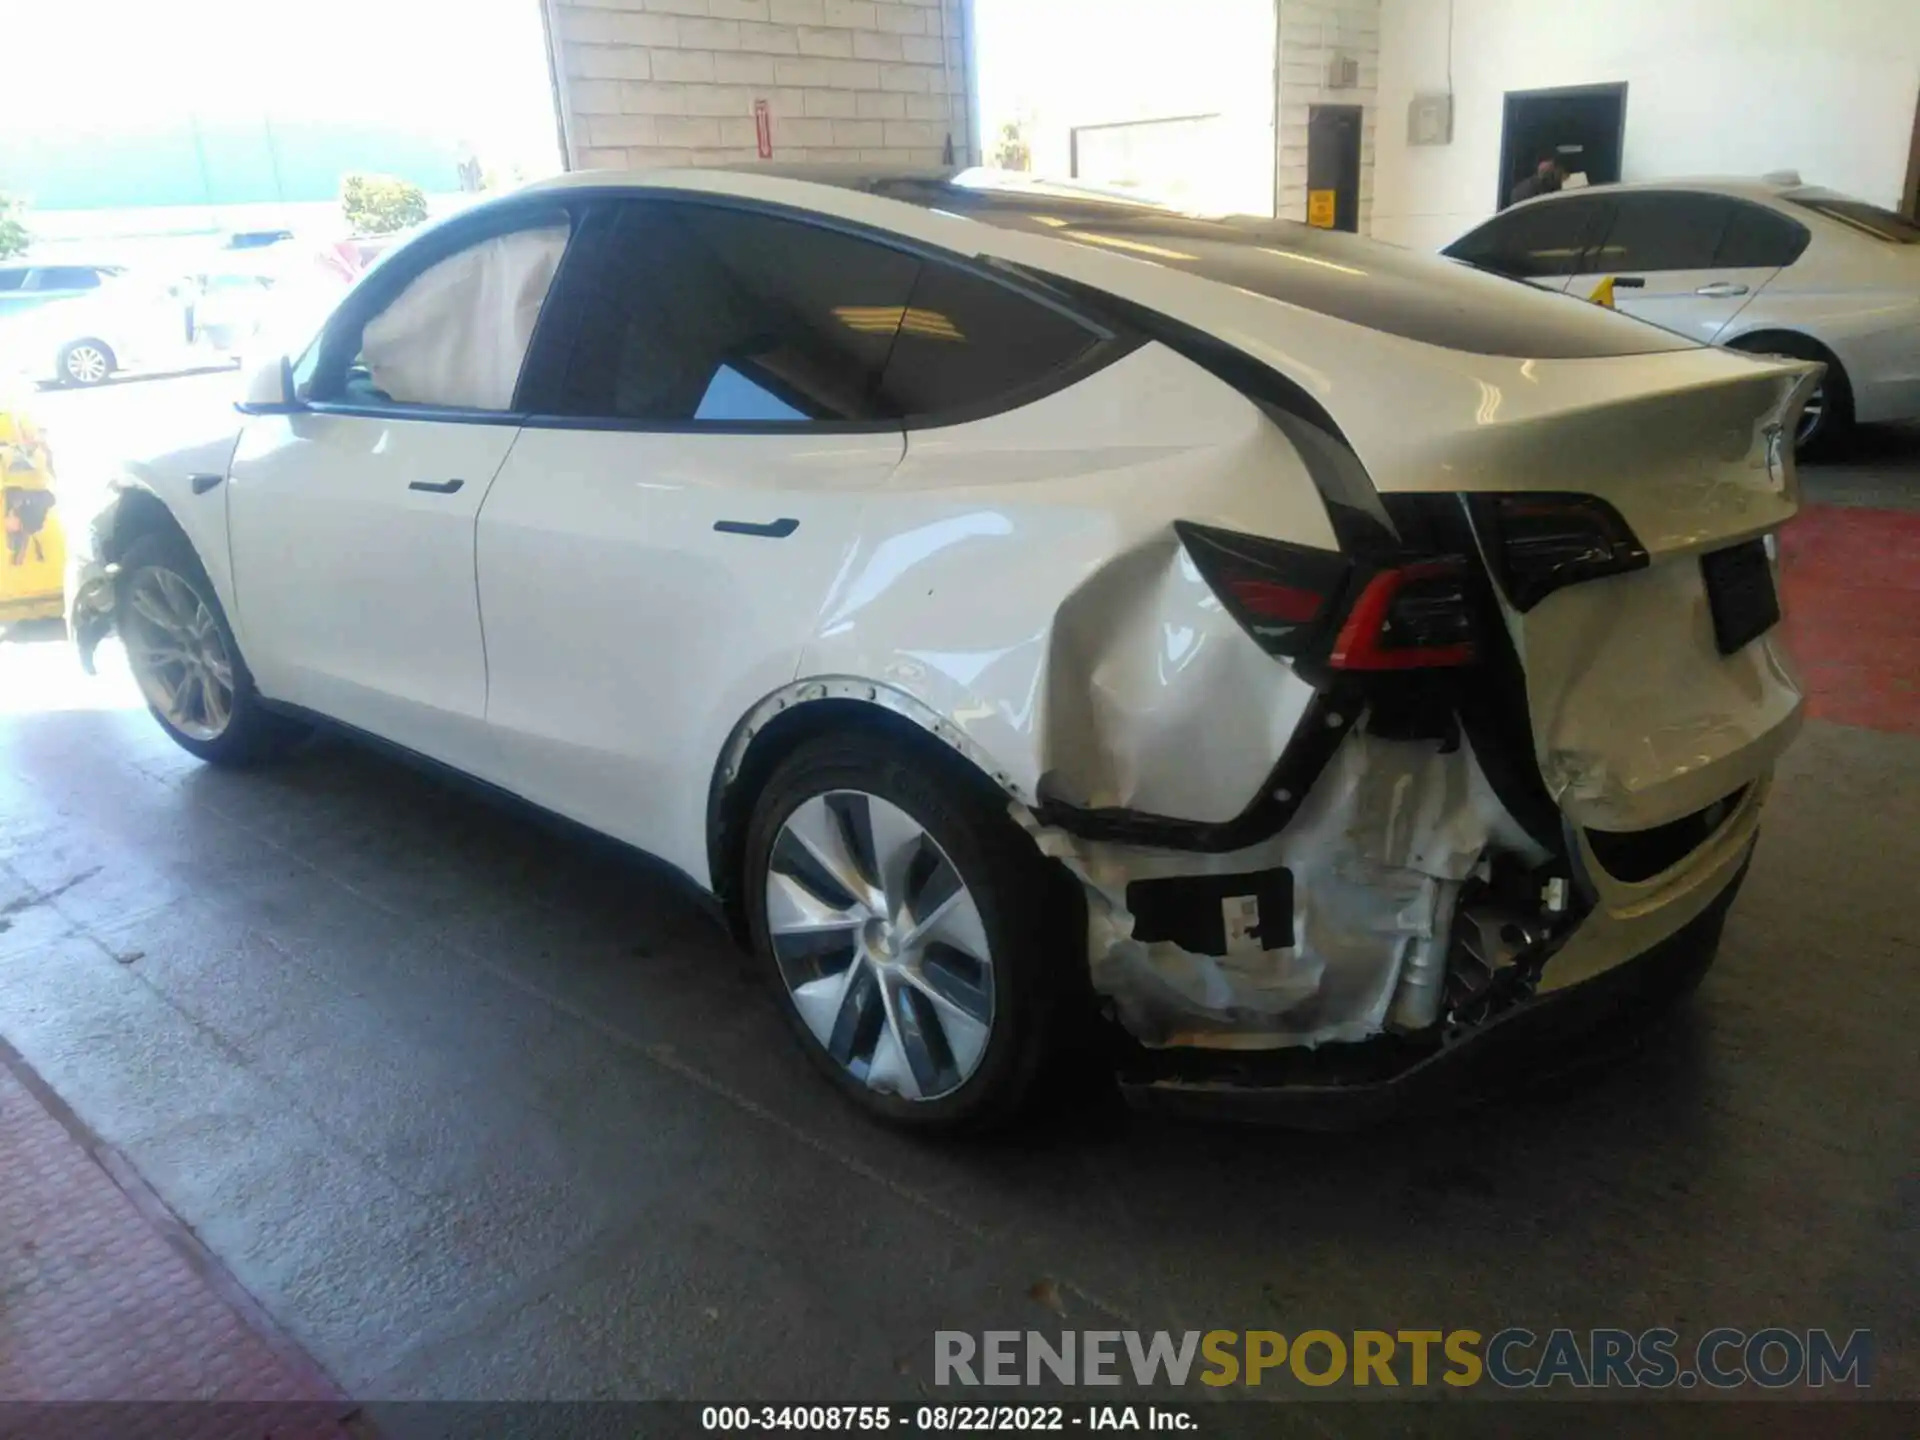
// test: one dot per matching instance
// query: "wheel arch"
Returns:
(138, 511)
(1756, 340)
(797, 713)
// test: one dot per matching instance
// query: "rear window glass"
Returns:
(1660, 230)
(1757, 236)
(965, 341)
(1881, 224)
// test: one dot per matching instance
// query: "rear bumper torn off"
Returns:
(1350, 1085)
(1320, 933)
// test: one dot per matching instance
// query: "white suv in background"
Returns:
(1769, 265)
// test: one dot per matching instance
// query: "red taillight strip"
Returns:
(1358, 647)
(1270, 600)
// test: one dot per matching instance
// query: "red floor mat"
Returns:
(105, 1297)
(1851, 583)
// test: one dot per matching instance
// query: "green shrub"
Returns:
(381, 204)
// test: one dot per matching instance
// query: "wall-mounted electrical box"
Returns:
(1430, 119)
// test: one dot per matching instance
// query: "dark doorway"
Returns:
(1333, 167)
(1585, 125)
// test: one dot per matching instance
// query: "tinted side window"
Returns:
(12, 279)
(1758, 236)
(966, 341)
(1659, 231)
(64, 277)
(703, 313)
(1535, 240)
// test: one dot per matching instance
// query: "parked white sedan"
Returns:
(1318, 659)
(132, 322)
(1770, 266)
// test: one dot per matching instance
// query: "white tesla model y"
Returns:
(1313, 659)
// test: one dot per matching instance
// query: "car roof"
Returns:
(1052, 228)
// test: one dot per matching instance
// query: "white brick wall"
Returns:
(673, 82)
(1312, 32)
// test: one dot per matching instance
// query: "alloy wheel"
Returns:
(177, 653)
(880, 944)
(1811, 416)
(86, 365)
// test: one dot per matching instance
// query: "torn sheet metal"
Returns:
(1377, 854)
(458, 333)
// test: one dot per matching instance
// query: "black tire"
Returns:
(1029, 926)
(77, 368)
(1830, 435)
(252, 733)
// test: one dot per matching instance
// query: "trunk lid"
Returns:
(1644, 707)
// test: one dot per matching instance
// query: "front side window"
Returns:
(454, 336)
(1534, 241)
(1654, 231)
(12, 279)
(704, 314)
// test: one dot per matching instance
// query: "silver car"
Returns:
(1768, 265)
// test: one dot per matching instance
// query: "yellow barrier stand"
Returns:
(34, 561)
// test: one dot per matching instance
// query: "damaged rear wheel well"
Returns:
(731, 803)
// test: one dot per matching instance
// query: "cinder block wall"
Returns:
(673, 82)
(1312, 32)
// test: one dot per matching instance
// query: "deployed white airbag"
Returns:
(457, 335)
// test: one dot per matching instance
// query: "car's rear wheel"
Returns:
(86, 362)
(184, 658)
(912, 931)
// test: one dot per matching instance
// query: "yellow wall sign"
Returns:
(1320, 208)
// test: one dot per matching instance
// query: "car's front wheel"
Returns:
(183, 656)
(86, 362)
(914, 935)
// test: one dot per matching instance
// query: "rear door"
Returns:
(1542, 243)
(703, 428)
(1686, 261)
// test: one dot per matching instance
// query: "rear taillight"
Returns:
(1413, 617)
(1284, 596)
(1540, 543)
(1323, 610)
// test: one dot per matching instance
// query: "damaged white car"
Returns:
(1316, 658)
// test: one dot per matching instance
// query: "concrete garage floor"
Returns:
(477, 1111)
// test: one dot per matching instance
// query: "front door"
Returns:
(352, 521)
(352, 545)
